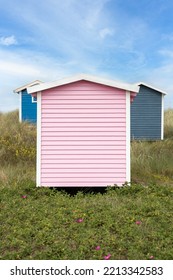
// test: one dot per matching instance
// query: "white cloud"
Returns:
(106, 32)
(14, 68)
(28, 65)
(8, 41)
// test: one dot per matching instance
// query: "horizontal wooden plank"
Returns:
(110, 106)
(56, 152)
(83, 156)
(82, 184)
(82, 115)
(82, 161)
(83, 111)
(68, 101)
(84, 176)
(84, 165)
(102, 135)
(88, 92)
(82, 97)
(147, 118)
(85, 120)
(84, 139)
(84, 180)
(68, 144)
(99, 170)
(81, 180)
(82, 124)
(86, 129)
(84, 148)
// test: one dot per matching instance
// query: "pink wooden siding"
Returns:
(83, 135)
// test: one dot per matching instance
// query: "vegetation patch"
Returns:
(17, 140)
(125, 223)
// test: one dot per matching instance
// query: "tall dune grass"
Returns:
(152, 162)
(168, 123)
(17, 140)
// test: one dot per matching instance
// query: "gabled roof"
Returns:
(79, 77)
(36, 82)
(149, 86)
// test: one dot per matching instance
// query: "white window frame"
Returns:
(34, 101)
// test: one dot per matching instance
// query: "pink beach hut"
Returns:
(83, 132)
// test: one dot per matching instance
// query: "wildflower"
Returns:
(80, 220)
(151, 257)
(138, 222)
(97, 248)
(24, 196)
(107, 257)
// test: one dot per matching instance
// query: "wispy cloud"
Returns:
(106, 32)
(17, 69)
(8, 41)
(94, 13)
(28, 65)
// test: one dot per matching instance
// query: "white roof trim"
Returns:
(149, 86)
(36, 82)
(112, 83)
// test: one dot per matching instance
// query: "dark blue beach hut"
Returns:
(27, 106)
(147, 114)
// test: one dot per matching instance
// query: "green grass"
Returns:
(44, 224)
(41, 223)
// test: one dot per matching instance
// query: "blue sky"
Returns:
(126, 40)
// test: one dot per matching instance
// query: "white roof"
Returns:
(36, 82)
(149, 86)
(79, 77)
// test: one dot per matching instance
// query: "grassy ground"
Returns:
(129, 223)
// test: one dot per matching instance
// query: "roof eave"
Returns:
(149, 86)
(18, 90)
(112, 83)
